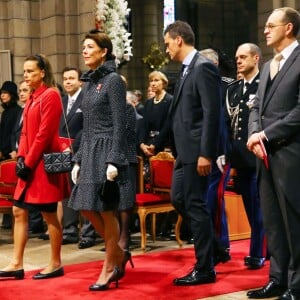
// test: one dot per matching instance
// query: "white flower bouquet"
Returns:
(111, 16)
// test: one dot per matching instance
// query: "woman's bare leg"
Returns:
(114, 254)
(55, 235)
(20, 238)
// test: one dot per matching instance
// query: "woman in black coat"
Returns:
(9, 98)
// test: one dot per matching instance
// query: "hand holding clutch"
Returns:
(111, 172)
(109, 192)
(75, 173)
(22, 170)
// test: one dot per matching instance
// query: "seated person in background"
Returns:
(139, 106)
(155, 129)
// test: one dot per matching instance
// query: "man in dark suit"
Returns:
(74, 120)
(218, 179)
(239, 97)
(275, 123)
(195, 113)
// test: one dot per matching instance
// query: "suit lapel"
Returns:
(179, 86)
(277, 80)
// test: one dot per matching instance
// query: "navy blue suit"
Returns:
(74, 121)
(196, 111)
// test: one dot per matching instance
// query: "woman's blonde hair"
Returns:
(161, 76)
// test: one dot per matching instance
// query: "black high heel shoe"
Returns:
(115, 276)
(127, 258)
(18, 274)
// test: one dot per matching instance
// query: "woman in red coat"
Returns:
(35, 187)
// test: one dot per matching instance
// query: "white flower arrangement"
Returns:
(111, 17)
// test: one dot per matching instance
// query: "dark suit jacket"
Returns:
(277, 112)
(74, 120)
(239, 155)
(196, 110)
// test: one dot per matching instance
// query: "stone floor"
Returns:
(37, 254)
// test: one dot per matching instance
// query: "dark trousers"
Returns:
(71, 220)
(189, 197)
(246, 185)
(281, 218)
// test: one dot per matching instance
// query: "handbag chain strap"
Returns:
(67, 127)
(64, 114)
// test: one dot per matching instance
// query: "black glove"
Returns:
(22, 170)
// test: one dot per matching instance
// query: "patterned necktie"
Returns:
(182, 71)
(70, 104)
(274, 65)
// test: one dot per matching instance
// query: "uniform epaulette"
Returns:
(228, 80)
(238, 81)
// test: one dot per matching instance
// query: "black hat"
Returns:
(10, 87)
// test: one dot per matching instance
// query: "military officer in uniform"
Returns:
(239, 98)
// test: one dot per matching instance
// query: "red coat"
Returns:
(39, 135)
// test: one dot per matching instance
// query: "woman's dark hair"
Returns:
(102, 40)
(43, 64)
(11, 88)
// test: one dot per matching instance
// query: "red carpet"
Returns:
(150, 279)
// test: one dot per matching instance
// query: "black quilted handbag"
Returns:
(58, 162)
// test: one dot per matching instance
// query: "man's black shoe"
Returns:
(196, 277)
(190, 241)
(272, 289)
(290, 294)
(44, 236)
(222, 256)
(254, 263)
(86, 244)
(68, 239)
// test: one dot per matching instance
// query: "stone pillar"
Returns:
(147, 27)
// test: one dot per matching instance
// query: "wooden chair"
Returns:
(157, 200)
(8, 181)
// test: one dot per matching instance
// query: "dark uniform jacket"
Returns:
(236, 116)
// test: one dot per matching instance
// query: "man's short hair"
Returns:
(182, 29)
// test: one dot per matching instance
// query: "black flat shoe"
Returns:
(254, 263)
(196, 277)
(44, 236)
(56, 273)
(103, 287)
(83, 244)
(222, 256)
(272, 289)
(18, 274)
(69, 240)
(290, 294)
